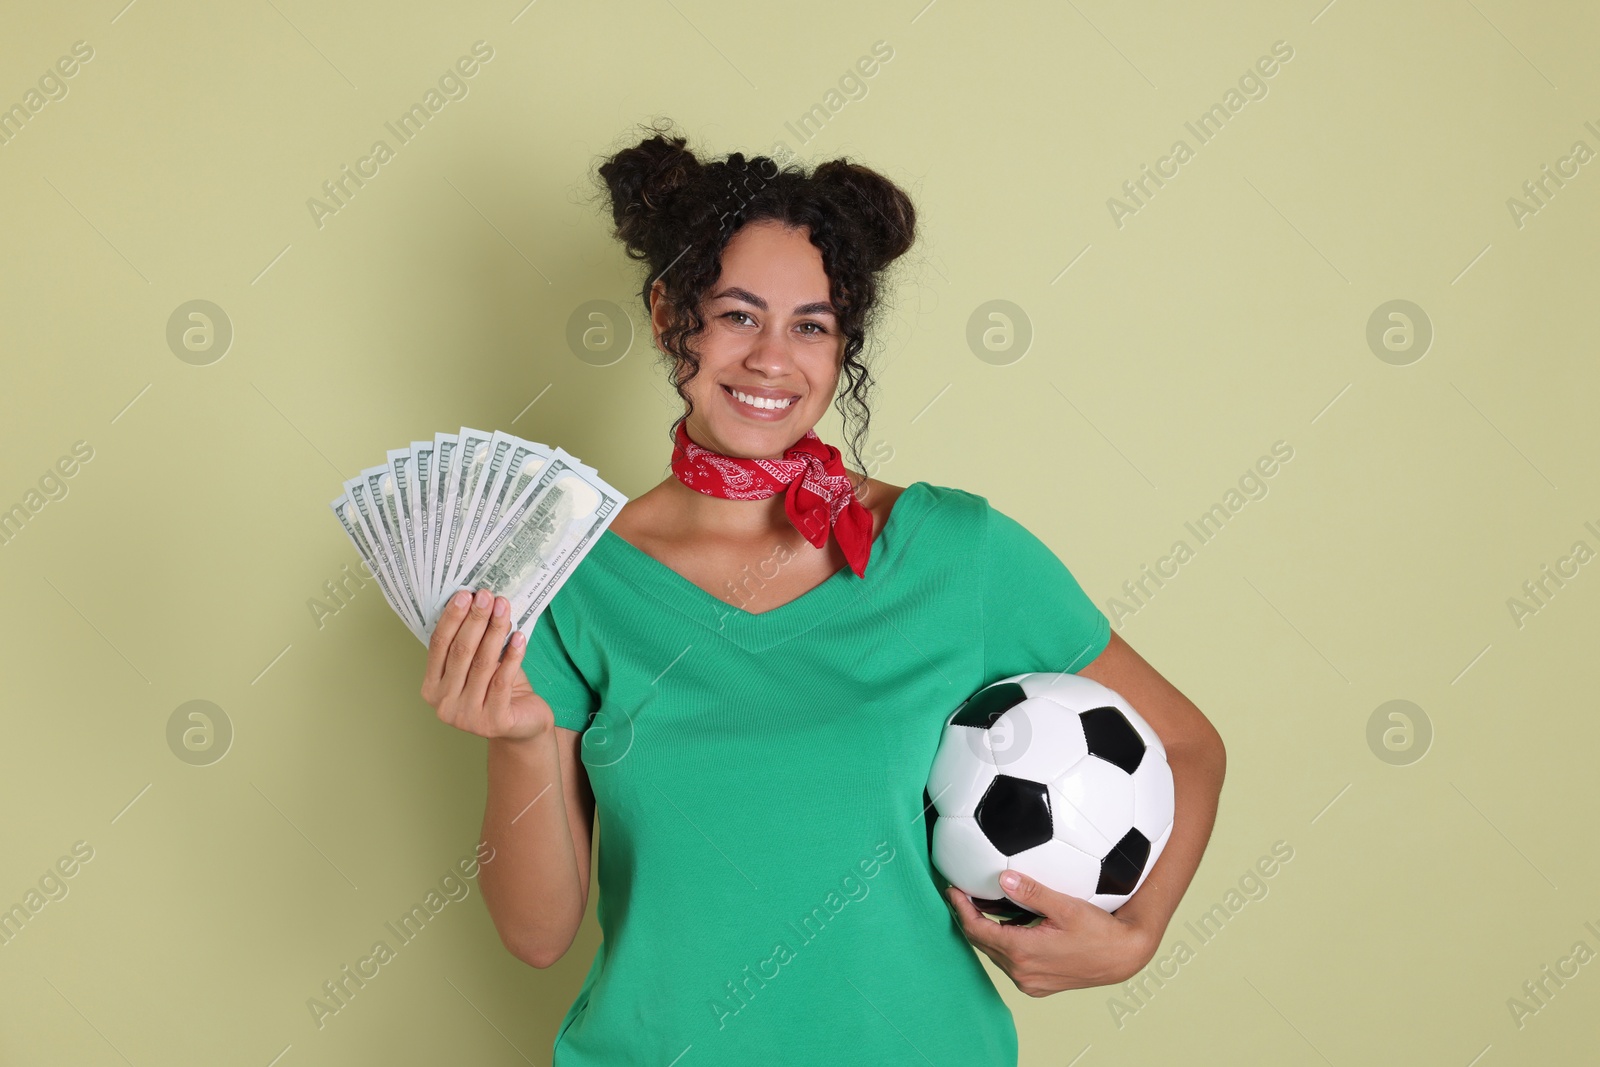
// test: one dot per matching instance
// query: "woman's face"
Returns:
(771, 334)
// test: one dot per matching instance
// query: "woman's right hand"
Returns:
(470, 683)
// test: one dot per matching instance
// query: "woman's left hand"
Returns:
(1074, 946)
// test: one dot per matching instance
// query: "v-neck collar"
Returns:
(762, 630)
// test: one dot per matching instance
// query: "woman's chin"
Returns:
(746, 439)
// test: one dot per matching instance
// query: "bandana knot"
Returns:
(818, 496)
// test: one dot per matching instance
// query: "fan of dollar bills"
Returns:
(474, 510)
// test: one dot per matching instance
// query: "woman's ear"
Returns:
(660, 312)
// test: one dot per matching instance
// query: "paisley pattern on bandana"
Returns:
(818, 497)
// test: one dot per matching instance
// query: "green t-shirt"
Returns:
(766, 894)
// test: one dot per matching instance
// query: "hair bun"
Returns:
(644, 181)
(885, 211)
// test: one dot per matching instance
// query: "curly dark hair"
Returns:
(677, 214)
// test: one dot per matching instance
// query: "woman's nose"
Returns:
(769, 354)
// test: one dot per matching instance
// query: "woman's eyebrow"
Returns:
(820, 307)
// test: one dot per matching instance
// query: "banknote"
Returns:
(401, 504)
(525, 540)
(348, 519)
(444, 449)
(422, 454)
(497, 452)
(380, 496)
(474, 509)
(467, 465)
(584, 511)
(527, 458)
(358, 493)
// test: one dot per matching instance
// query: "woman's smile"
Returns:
(765, 404)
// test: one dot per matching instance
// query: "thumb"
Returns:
(1040, 898)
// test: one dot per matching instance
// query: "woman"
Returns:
(749, 673)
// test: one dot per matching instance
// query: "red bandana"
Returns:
(819, 494)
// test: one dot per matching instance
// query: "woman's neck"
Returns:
(680, 512)
(690, 513)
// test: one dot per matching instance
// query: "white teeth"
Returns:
(761, 402)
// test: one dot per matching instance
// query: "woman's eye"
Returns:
(811, 329)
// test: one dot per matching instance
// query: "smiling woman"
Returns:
(724, 237)
(739, 757)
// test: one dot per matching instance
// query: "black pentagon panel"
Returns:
(982, 708)
(1112, 737)
(1120, 870)
(929, 814)
(1004, 907)
(1014, 814)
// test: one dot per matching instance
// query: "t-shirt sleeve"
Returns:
(1035, 615)
(554, 677)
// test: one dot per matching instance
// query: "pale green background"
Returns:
(1227, 314)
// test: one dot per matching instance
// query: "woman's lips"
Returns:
(752, 411)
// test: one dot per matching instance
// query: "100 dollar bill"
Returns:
(552, 516)
(474, 510)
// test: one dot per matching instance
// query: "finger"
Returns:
(983, 931)
(961, 905)
(444, 631)
(498, 696)
(1054, 906)
(465, 645)
(487, 658)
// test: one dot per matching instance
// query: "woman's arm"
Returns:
(539, 812)
(538, 819)
(1198, 761)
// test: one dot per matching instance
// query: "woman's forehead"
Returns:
(778, 265)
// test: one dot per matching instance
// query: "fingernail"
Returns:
(460, 599)
(1009, 879)
(480, 596)
(517, 639)
(500, 604)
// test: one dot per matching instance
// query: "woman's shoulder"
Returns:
(941, 505)
(953, 501)
(876, 496)
(873, 489)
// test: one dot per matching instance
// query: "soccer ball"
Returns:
(1052, 775)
